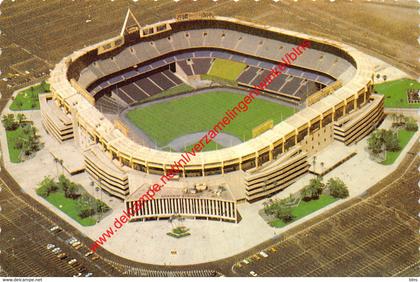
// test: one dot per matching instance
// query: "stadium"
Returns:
(134, 102)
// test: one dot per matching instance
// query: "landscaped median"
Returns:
(28, 99)
(395, 93)
(385, 145)
(72, 199)
(22, 137)
(313, 197)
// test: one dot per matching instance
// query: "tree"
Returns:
(86, 206)
(378, 76)
(20, 118)
(101, 206)
(284, 213)
(9, 122)
(45, 86)
(411, 124)
(313, 190)
(375, 143)
(72, 191)
(390, 140)
(337, 188)
(46, 187)
(384, 77)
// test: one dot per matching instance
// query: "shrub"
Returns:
(313, 190)
(337, 188)
(390, 140)
(9, 122)
(411, 124)
(46, 187)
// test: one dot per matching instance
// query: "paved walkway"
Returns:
(210, 240)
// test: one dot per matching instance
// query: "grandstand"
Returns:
(145, 61)
(137, 83)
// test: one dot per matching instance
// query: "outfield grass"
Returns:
(181, 88)
(404, 137)
(226, 69)
(28, 99)
(395, 92)
(12, 136)
(305, 208)
(163, 122)
(69, 207)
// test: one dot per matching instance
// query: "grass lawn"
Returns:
(395, 92)
(12, 136)
(226, 69)
(181, 88)
(163, 122)
(69, 207)
(306, 208)
(404, 137)
(28, 99)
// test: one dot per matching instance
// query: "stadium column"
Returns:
(256, 160)
(270, 153)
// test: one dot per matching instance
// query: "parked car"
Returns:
(95, 257)
(56, 250)
(253, 273)
(50, 246)
(89, 254)
(72, 261)
(55, 229)
(77, 245)
(62, 256)
(89, 274)
(71, 240)
(263, 254)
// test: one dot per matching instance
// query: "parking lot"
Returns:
(376, 235)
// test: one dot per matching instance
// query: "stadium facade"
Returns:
(90, 84)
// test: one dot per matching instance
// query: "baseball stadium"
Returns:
(135, 102)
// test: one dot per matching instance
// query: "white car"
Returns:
(56, 250)
(245, 261)
(253, 273)
(55, 228)
(50, 246)
(72, 261)
(263, 254)
(89, 254)
(71, 240)
(89, 274)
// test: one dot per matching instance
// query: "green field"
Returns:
(305, 208)
(69, 207)
(28, 98)
(395, 92)
(226, 69)
(181, 88)
(163, 122)
(12, 136)
(404, 137)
